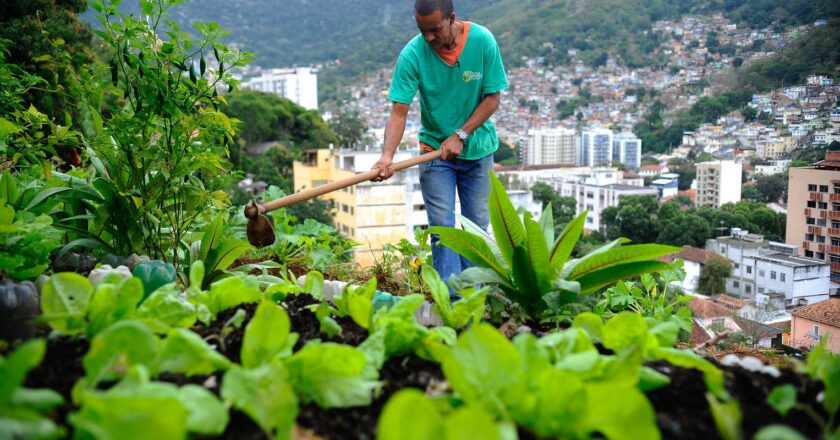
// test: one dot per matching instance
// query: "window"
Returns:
(809, 237)
(749, 269)
(820, 255)
(821, 222)
(723, 249)
(822, 205)
(820, 238)
(737, 266)
(782, 277)
(809, 254)
(816, 332)
(835, 225)
(772, 274)
(736, 284)
(760, 290)
(718, 325)
(812, 203)
(810, 220)
(835, 241)
(748, 288)
(812, 188)
(761, 273)
(823, 188)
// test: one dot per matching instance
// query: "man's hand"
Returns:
(451, 147)
(386, 170)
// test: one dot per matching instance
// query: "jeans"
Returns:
(439, 180)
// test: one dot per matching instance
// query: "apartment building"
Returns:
(770, 272)
(598, 190)
(370, 213)
(718, 183)
(550, 146)
(813, 220)
(627, 149)
(596, 147)
(300, 85)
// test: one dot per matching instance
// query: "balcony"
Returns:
(808, 212)
(814, 230)
(834, 250)
(823, 214)
(834, 197)
(834, 214)
(834, 231)
(806, 245)
(815, 196)
(835, 267)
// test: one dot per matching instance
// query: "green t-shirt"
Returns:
(450, 94)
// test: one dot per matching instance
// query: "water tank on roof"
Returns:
(736, 232)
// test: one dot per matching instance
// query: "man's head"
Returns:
(436, 21)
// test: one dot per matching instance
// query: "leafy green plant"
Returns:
(217, 251)
(650, 302)
(22, 409)
(821, 365)
(138, 408)
(159, 157)
(467, 310)
(26, 239)
(222, 295)
(533, 268)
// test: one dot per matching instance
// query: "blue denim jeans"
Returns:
(439, 179)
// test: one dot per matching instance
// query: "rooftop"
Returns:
(790, 260)
(690, 253)
(756, 328)
(824, 312)
(730, 302)
(704, 309)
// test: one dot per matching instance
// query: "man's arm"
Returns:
(394, 129)
(453, 145)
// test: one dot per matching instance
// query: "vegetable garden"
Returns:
(132, 306)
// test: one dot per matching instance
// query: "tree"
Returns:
(834, 146)
(349, 127)
(713, 276)
(632, 219)
(771, 187)
(505, 154)
(749, 113)
(684, 229)
(751, 194)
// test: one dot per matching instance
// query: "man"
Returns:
(456, 67)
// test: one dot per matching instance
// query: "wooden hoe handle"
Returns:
(311, 193)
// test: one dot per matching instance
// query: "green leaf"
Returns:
(507, 227)
(620, 255)
(8, 188)
(627, 329)
(592, 324)
(39, 400)
(207, 415)
(470, 308)
(357, 302)
(120, 415)
(314, 284)
(538, 254)
(528, 292)
(440, 294)
(184, 351)
(486, 370)
(266, 334)
(265, 395)
(14, 368)
(331, 375)
(399, 326)
(117, 348)
(232, 292)
(547, 224)
(727, 416)
(782, 398)
(165, 306)
(651, 380)
(409, 415)
(778, 432)
(619, 411)
(221, 257)
(565, 243)
(68, 295)
(17, 423)
(595, 280)
(7, 127)
(113, 302)
(470, 246)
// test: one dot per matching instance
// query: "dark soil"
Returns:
(307, 326)
(59, 371)
(683, 412)
(360, 422)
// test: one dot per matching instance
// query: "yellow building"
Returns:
(371, 213)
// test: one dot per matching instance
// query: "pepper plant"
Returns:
(532, 267)
(159, 151)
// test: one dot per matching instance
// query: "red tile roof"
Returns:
(704, 308)
(824, 312)
(690, 253)
(730, 302)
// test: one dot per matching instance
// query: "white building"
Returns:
(667, 185)
(775, 167)
(718, 183)
(599, 190)
(300, 85)
(595, 147)
(550, 146)
(770, 272)
(627, 149)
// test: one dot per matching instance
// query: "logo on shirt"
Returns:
(472, 76)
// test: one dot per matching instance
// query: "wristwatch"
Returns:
(462, 135)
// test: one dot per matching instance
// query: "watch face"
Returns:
(461, 134)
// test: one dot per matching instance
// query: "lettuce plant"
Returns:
(533, 267)
(22, 409)
(469, 309)
(646, 299)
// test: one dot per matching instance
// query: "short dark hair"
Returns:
(428, 7)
